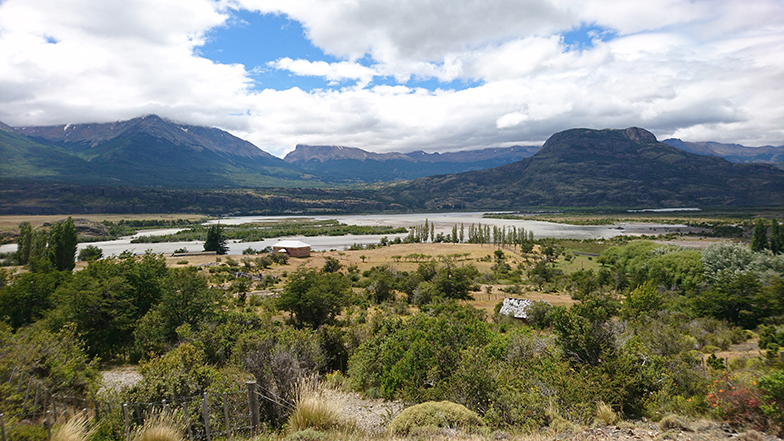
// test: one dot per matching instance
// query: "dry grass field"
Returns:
(395, 256)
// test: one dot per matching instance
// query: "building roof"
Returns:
(291, 244)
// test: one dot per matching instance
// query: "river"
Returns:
(443, 224)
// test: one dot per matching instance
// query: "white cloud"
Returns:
(337, 72)
(699, 70)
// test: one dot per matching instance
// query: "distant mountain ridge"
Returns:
(146, 151)
(732, 152)
(613, 168)
(80, 138)
(351, 164)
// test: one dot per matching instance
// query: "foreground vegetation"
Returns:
(654, 332)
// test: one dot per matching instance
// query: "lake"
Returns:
(443, 223)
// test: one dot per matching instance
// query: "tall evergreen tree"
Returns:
(759, 238)
(215, 240)
(776, 238)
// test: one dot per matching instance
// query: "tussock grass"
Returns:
(74, 430)
(316, 411)
(605, 414)
(673, 422)
(160, 427)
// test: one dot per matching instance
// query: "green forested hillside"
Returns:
(147, 151)
(619, 168)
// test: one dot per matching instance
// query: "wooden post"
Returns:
(19, 384)
(205, 410)
(253, 401)
(27, 394)
(45, 412)
(127, 424)
(12, 376)
(226, 417)
(187, 420)
(97, 407)
(48, 425)
(35, 402)
(139, 420)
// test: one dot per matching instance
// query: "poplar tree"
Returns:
(759, 238)
(62, 245)
(24, 244)
(776, 238)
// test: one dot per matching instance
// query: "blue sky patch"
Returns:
(254, 40)
(582, 38)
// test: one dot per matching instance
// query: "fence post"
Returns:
(226, 416)
(43, 404)
(97, 407)
(35, 402)
(253, 401)
(205, 409)
(48, 425)
(187, 420)
(13, 372)
(27, 395)
(19, 384)
(127, 424)
(139, 419)
(2, 426)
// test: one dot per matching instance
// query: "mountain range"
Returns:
(147, 151)
(114, 166)
(152, 151)
(349, 164)
(612, 168)
(732, 152)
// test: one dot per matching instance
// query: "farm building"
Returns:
(293, 248)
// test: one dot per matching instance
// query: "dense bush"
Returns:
(414, 359)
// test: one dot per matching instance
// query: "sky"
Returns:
(400, 75)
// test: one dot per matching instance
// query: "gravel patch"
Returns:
(370, 416)
(120, 378)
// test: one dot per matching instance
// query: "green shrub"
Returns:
(405, 358)
(435, 415)
(773, 387)
(25, 432)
